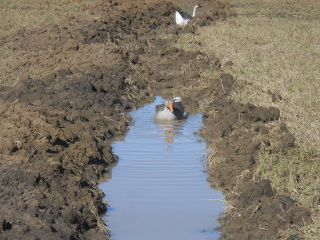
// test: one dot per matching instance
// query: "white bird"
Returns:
(170, 110)
(182, 18)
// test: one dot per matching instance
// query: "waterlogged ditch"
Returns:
(158, 189)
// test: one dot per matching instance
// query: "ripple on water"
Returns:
(158, 189)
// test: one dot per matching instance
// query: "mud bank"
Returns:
(237, 133)
(78, 80)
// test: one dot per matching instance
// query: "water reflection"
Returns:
(158, 190)
(169, 129)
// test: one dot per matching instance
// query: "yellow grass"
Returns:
(23, 13)
(275, 47)
(18, 14)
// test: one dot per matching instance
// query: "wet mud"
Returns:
(79, 79)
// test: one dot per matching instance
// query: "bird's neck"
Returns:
(194, 11)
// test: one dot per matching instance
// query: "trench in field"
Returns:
(158, 188)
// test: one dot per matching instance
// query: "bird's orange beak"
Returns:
(171, 107)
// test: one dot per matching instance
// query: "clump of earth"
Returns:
(57, 125)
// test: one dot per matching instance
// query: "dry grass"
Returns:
(301, 9)
(275, 47)
(18, 14)
(23, 13)
(295, 174)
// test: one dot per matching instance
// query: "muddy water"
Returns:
(158, 189)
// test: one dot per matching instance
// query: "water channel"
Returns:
(158, 189)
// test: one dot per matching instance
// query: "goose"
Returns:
(170, 110)
(182, 18)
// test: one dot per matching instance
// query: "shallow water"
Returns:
(158, 189)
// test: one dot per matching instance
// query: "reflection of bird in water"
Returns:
(169, 134)
(170, 110)
(182, 18)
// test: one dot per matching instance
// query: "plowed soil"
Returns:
(57, 124)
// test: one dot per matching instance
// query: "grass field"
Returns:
(23, 13)
(18, 14)
(275, 50)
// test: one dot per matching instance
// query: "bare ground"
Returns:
(57, 122)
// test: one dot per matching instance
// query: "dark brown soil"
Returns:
(57, 125)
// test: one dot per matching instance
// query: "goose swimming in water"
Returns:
(170, 110)
(183, 18)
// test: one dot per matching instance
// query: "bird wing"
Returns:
(186, 15)
(179, 19)
(160, 107)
